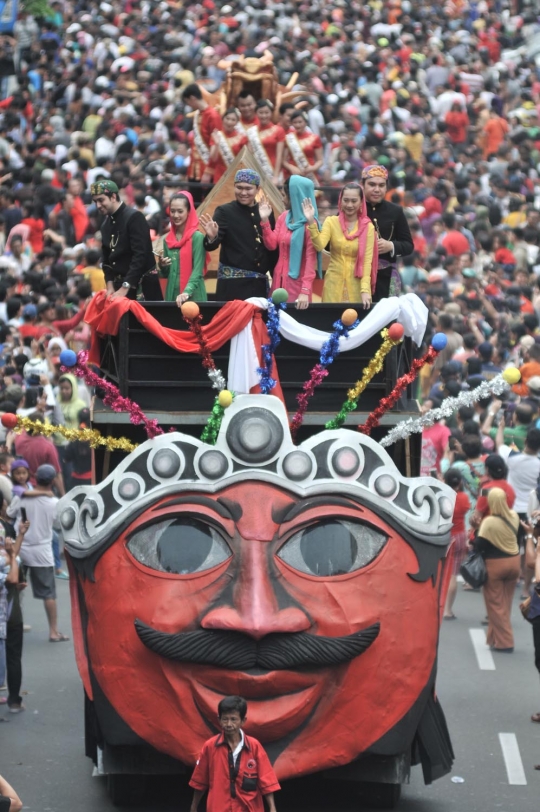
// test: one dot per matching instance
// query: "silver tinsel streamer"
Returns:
(450, 405)
(218, 381)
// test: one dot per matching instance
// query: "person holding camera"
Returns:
(36, 550)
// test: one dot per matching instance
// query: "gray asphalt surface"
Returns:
(42, 750)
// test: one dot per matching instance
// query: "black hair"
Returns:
(474, 366)
(13, 306)
(192, 90)
(471, 427)
(533, 439)
(284, 107)
(453, 478)
(470, 341)
(245, 93)
(466, 413)
(472, 445)
(230, 704)
(31, 397)
(524, 414)
(496, 466)
(265, 103)
(354, 185)
(446, 321)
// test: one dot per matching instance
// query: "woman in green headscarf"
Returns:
(182, 261)
(298, 260)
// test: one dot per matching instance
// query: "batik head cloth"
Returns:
(248, 176)
(103, 187)
(374, 171)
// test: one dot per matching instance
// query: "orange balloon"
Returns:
(349, 316)
(190, 310)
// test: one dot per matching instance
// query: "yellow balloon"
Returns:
(225, 398)
(511, 375)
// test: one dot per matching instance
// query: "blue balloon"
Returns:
(68, 358)
(439, 341)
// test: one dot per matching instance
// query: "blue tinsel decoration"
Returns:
(272, 325)
(330, 348)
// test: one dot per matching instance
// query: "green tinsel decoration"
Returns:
(213, 424)
(339, 419)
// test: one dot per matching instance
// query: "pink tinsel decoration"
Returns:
(112, 396)
(318, 374)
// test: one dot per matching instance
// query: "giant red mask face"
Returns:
(292, 586)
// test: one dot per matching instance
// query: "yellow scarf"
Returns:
(497, 528)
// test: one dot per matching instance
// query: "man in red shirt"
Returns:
(453, 240)
(205, 121)
(233, 767)
(38, 450)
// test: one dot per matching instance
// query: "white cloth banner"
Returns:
(408, 310)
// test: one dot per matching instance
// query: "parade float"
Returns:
(247, 534)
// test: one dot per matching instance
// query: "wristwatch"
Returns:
(126, 285)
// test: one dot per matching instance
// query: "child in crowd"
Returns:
(20, 473)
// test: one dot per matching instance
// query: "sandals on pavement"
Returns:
(60, 639)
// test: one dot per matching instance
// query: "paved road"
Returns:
(42, 750)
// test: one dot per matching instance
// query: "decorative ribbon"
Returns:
(259, 151)
(240, 323)
(267, 382)
(192, 316)
(329, 351)
(213, 424)
(374, 366)
(200, 143)
(110, 394)
(91, 436)
(405, 428)
(387, 403)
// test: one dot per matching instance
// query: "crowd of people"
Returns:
(414, 157)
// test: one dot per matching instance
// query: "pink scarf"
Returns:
(361, 233)
(184, 244)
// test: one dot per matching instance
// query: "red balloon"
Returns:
(395, 332)
(9, 421)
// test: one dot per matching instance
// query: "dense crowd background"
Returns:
(445, 95)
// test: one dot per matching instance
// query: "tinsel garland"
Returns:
(90, 436)
(213, 424)
(369, 372)
(387, 403)
(267, 383)
(449, 405)
(329, 351)
(215, 375)
(110, 394)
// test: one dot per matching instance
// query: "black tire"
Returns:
(126, 790)
(380, 796)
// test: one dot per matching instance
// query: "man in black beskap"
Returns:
(393, 232)
(244, 260)
(126, 244)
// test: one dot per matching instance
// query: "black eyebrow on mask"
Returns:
(222, 507)
(287, 514)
